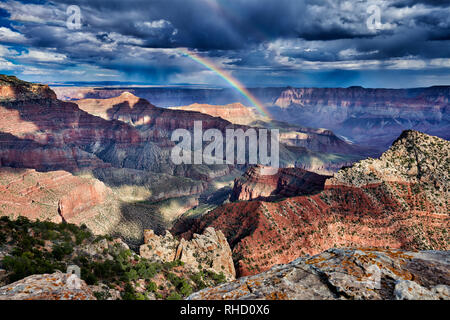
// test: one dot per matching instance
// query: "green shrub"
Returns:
(62, 250)
(129, 292)
(197, 278)
(151, 287)
(174, 296)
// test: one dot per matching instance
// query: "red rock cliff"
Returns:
(261, 182)
(397, 201)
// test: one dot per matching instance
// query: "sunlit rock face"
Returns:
(234, 112)
(55, 196)
(340, 274)
(38, 131)
(209, 250)
(46, 287)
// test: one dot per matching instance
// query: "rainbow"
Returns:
(227, 77)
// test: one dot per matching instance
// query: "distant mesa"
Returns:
(236, 113)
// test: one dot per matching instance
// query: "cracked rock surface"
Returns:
(46, 287)
(346, 274)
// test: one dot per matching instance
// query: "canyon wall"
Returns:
(372, 116)
(55, 196)
(258, 182)
(368, 116)
(397, 201)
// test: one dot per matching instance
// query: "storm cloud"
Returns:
(262, 42)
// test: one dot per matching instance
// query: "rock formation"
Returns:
(38, 131)
(397, 201)
(368, 116)
(287, 182)
(157, 125)
(158, 122)
(55, 196)
(46, 287)
(234, 112)
(342, 274)
(209, 250)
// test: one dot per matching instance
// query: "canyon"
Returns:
(317, 150)
(101, 160)
(122, 144)
(372, 117)
(367, 116)
(398, 201)
(63, 143)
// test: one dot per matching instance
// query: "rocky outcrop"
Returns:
(414, 158)
(11, 88)
(397, 201)
(286, 182)
(209, 250)
(46, 287)
(342, 274)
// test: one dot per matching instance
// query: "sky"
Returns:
(299, 43)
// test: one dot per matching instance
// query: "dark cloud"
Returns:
(277, 38)
(410, 3)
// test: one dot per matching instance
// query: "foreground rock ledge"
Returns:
(346, 274)
(45, 287)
